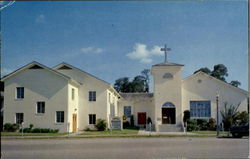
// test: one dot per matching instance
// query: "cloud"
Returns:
(85, 50)
(5, 71)
(40, 18)
(91, 50)
(143, 54)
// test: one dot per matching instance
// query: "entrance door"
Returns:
(142, 118)
(74, 122)
(168, 115)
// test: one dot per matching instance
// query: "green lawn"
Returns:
(209, 132)
(133, 131)
(30, 134)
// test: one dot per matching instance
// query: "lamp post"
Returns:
(217, 118)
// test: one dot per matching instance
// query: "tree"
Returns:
(229, 115)
(122, 85)
(138, 84)
(204, 69)
(220, 72)
(145, 74)
(235, 83)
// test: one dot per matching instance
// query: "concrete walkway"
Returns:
(144, 132)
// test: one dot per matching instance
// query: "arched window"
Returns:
(168, 105)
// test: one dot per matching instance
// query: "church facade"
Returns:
(70, 99)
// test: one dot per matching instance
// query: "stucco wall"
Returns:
(39, 85)
(192, 90)
(86, 107)
(167, 90)
(138, 106)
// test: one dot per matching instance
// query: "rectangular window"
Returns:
(200, 109)
(19, 118)
(73, 93)
(60, 116)
(40, 107)
(19, 92)
(92, 118)
(92, 96)
(127, 111)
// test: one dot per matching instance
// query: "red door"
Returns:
(142, 118)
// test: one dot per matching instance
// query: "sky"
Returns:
(119, 39)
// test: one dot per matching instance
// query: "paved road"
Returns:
(119, 148)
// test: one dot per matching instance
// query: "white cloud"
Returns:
(5, 71)
(40, 18)
(91, 50)
(143, 54)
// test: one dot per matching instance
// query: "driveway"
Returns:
(121, 148)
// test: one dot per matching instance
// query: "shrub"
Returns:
(101, 125)
(11, 127)
(87, 129)
(132, 122)
(36, 130)
(192, 125)
(211, 124)
(44, 130)
(126, 124)
(26, 130)
(242, 118)
(186, 117)
(202, 124)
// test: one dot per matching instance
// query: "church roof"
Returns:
(168, 64)
(137, 96)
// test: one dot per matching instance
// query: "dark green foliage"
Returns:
(140, 83)
(229, 114)
(132, 122)
(26, 130)
(149, 120)
(186, 116)
(220, 72)
(192, 125)
(202, 124)
(211, 124)
(101, 125)
(11, 127)
(204, 69)
(235, 83)
(242, 118)
(43, 130)
(126, 124)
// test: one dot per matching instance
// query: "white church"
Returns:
(69, 99)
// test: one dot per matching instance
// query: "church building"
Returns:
(69, 99)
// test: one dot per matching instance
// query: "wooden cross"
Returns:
(165, 49)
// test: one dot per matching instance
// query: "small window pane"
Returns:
(200, 109)
(127, 111)
(20, 92)
(19, 118)
(92, 96)
(40, 107)
(73, 94)
(92, 119)
(60, 116)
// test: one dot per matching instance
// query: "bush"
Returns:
(242, 118)
(26, 130)
(11, 127)
(132, 122)
(44, 130)
(202, 124)
(211, 124)
(101, 125)
(192, 125)
(186, 116)
(87, 129)
(126, 124)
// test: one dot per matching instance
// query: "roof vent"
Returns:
(64, 68)
(36, 67)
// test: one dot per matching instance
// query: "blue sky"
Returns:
(119, 39)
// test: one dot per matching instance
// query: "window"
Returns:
(19, 118)
(92, 118)
(73, 94)
(40, 107)
(92, 96)
(19, 92)
(200, 109)
(60, 116)
(127, 111)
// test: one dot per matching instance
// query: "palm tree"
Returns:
(229, 115)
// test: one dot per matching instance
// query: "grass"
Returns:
(131, 131)
(30, 134)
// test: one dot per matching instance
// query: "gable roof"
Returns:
(168, 64)
(216, 80)
(37, 65)
(67, 66)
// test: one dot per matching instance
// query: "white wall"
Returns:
(86, 107)
(39, 85)
(192, 90)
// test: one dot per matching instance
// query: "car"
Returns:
(239, 131)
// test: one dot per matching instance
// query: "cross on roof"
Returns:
(165, 49)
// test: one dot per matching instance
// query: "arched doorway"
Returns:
(168, 113)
